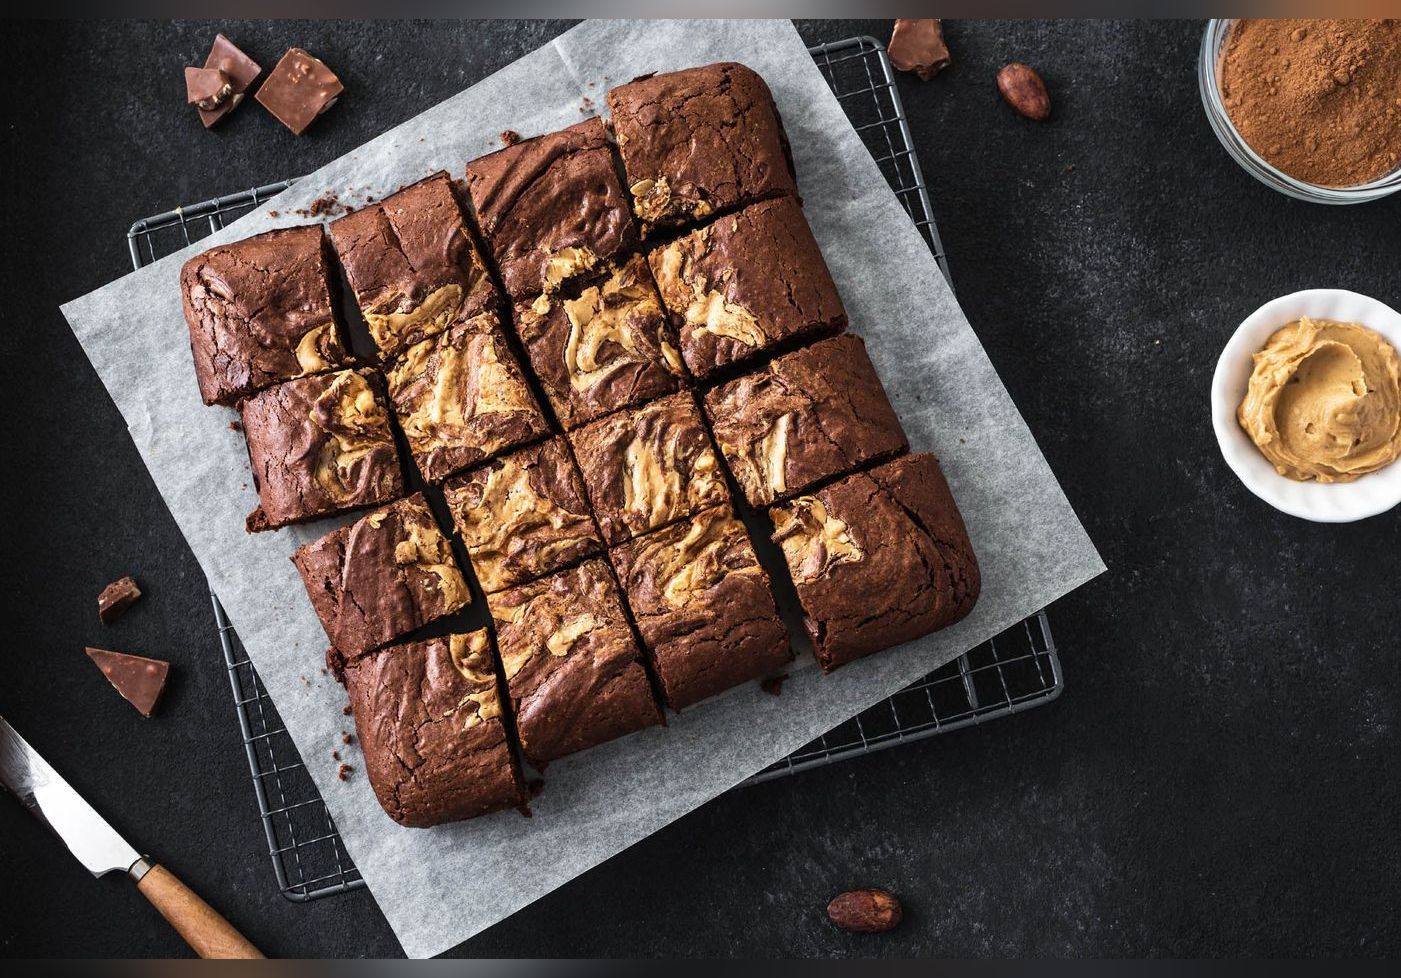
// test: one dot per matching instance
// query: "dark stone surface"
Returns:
(1221, 775)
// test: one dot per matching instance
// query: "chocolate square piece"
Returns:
(610, 348)
(878, 559)
(260, 312)
(429, 718)
(381, 577)
(551, 208)
(646, 467)
(572, 666)
(116, 598)
(460, 398)
(806, 417)
(299, 89)
(748, 282)
(320, 445)
(523, 515)
(697, 141)
(241, 72)
(413, 264)
(703, 606)
(140, 680)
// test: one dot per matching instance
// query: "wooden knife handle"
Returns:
(198, 923)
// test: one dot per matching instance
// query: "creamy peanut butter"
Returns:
(813, 540)
(349, 411)
(1324, 401)
(390, 322)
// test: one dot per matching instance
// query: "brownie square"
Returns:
(748, 282)
(806, 417)
(697, 141)
(610, 348)
(413, 265)
(429, 718)
(551, 208)
(523, 515)
(381, 577)
(260, 312)
(879, 558)
(320, 445)
(573, 668)
(703, 606)
(460, 398)
(648, 466)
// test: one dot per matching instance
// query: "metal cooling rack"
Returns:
(1010, 673)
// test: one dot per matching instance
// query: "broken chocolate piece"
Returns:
(918, 46)
(207, 88)
(299, 89)
(241, 71)
(116, 598)
(140, 680)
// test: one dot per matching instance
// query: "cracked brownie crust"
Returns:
(572, 665)
(412, 264)
(697, 141)
(260, 312)
(878, 559)
(320, 445)
(745, 283)
(523, 516)
(429, 719)
(703, 606)
(808, 416)
(551, 208)
(460, 398)
(610, 348)
(648, 467)
(381, 577)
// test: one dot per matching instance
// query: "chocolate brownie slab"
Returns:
(878, 559)
(381, 577)
(260, 312)
(572, 665)
(320, 445)
(551, 208)
(523, 515)
(816, 413)
(703, 606)
(648, 466)
(429, 718)
(700, 140)
(461, 398)
(413, 265)
(747, 282)
(610, 348)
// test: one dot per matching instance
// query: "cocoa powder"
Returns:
(1318, 99)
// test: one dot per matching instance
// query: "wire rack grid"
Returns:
(1014, 671)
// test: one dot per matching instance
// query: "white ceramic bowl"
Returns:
(1338, 502)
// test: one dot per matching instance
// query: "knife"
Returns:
(98, 847)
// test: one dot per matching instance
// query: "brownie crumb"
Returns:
(509, 137)
(963, 441)
(274, 213)
(343, 772)
(773, 685)
(347, 738)
(235, 425)
(347, 710)
(335, 755)
(324, 205)
(586, 106)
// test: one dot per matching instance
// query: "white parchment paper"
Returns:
(441, 886)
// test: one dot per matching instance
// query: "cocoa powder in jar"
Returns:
(1318, 99)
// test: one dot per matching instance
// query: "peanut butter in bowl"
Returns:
(1324, 401)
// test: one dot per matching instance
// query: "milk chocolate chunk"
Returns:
(299, 89)
(808, 416)
(747, 282)
(320, 445)
(523, 515)
(918, 45)
(430, 722)
(207, 88)
(413, 265)
(647, 467)
(240, 70)
(116, 598)
(608, 348)
(461, 398)
(381, 577)
(703, 606)
(573, 668)
(878, 558)
(140, 680)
